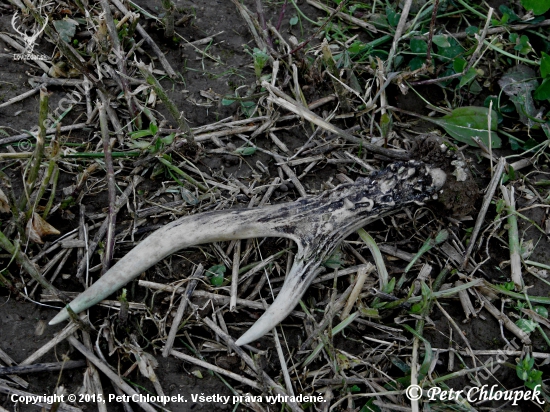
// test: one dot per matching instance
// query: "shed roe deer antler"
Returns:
(29, 40)
(317, 224)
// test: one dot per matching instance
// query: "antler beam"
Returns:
(317, 224)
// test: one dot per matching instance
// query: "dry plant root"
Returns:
(317, 224)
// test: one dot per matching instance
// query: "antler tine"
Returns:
(13, 24)
(35, 36)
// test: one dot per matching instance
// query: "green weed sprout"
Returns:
(260, 60)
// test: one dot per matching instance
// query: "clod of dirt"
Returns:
(460, 191)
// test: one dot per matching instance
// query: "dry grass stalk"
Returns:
(181, 310)
(346, 17)
(103, 367)
(235, 276)
(362, 275)
(97, 387)
(513, 237)
(11, 363)
(286, 102)
(216, 298)
(144, 35)
(495, 182)
(508, 323)
(121, 201)
(214, 368)
(59, 337)
(265, 378)
(50, 131)
(42, 367)
(111, 186)
(21, 97)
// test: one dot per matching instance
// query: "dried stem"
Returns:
(168, 19)
(261, 20)
(285, 101)
(235, 276)
(111, 188)
(20, 97)
(431, 33)
(513, 237)
(29, 267)
(143, 33)
(181, 310)
(171, 106)
(103, 229)
(120, 56)
(495, 181)
(103, 367)
(398, 32)
(42, 367)
(508, 323)
(40, 139)
(362, 275)
(281, 15)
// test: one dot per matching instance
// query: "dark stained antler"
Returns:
(317, 224)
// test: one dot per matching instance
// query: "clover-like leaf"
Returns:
(66, 29)
(464, 123)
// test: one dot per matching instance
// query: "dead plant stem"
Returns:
(120, 56)
(39, 148)
(143, 33)
(398, 32)
(103, 367)
(111, 187)
(431, 33)
(29, 267)
(176, 322)
(513, 237)
(170, 105)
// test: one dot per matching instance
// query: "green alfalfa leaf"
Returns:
(227, 102)
(416, 62)
(464, 123)
(245, 151)
(140, 133)
(538, 6)
(542, 311)
(545, 65)
(419, 46)
(543, 91)
(441, 40)
(393, 17)
(139, 144)
(168, 139)
(459, 64)
(66, 28)
(526, 325)
(468, 77)
(215, 273)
